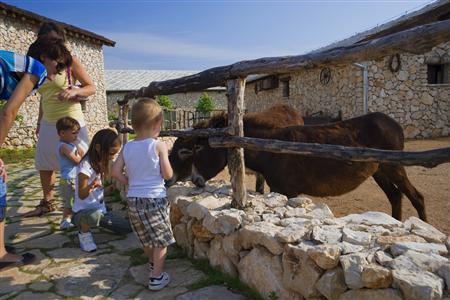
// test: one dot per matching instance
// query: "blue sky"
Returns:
(196, 35)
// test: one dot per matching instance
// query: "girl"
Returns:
(19, 76)
(147, 165)
(89, 206)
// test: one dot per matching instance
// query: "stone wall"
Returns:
(181, 100)
(17, 36)
(295, 249)
(422, 109)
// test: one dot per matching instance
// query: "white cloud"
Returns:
(151, 44)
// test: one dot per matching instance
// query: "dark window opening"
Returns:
(285, 88)
(267, 83)
(438, 73)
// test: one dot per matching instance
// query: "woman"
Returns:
(58, 99)
(19, 76)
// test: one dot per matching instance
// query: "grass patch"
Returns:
(17, 155)
(176, 252)
(137, 257)
(217, 277)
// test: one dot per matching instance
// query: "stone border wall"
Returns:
(17, 36)
(295, 249)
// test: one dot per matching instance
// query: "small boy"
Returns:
(147, 165)
(69, 156)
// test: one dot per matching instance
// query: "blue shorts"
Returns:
(2, 213)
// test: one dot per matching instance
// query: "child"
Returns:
(89, 206)
(147, 165)
(69, 156)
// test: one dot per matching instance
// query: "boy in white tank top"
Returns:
(146, 162)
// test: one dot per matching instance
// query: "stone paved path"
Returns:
(116, 270)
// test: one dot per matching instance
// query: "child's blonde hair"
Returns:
(146, 112)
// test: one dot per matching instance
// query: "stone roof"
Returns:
(436, 11)
(130, 80)
(33, 18)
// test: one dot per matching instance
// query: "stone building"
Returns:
(120, 82)
(413, 89)
(18, 30)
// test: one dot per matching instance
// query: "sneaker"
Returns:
(65, 224)
(87, 242)
(158, 283)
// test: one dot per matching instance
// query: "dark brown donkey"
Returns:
(182, 159)
(292, 175)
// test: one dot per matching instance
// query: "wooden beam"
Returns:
(236, 166)
(428, 159)
(415, 40)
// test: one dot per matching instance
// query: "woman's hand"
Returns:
(68, 94)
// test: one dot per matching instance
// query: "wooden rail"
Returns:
(428, 158)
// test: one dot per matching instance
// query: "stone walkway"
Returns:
(117, 270)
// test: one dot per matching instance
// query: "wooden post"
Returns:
(235, 94)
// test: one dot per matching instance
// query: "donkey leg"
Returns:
(397, 175)
(393, 194)
(259, 187)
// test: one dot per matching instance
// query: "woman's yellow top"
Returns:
(53, 108)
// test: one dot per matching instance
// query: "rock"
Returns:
(447, 243)
(372, 294)
(295, 212)
(444, 272)
(201, 233)
(383, 258)
(40, 263)
(176, 215)
(294, 233)
(271, 218)
(231, 246)
(418, 285)
(13, 280)
(218, 258)
(126, 291)
(88, 276)
(376, 277)
(280, 211)
(202, 207)
(296, 221)
(201, 249)
(164, 294)
(55, 240)
(261, 233)
(299, 201)
(320, 211)
(401, 247)
(40, 286)
(275, 200)
(224, 222)
(425, 230)
(37, 296)
(429, 261)
(332, 284)
(215, 292)
(389, 240)
(27, 229)
(325, 256)
(181, 236)
(129, 243)
(347, 248)
(373, 218)
(262, 271)
(356, 237)
(182, 203)
(300, 272)
(353, 266)
(327, 234)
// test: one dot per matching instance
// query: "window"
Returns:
(285, 87)
(267, 83)
(438, 73)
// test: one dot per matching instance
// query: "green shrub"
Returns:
(165, 101)
(205, 103)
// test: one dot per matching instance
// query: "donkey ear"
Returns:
(184, 153)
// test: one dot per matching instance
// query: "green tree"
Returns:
(165, 102)
(205, 103)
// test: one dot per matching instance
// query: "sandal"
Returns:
(44, 207)
(10, 249)
(27, 258)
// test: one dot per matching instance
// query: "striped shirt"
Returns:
(11, 63)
